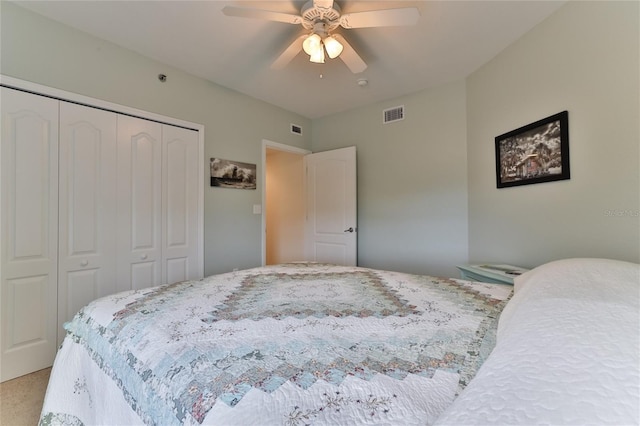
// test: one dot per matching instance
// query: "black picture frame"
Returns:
(535, 153)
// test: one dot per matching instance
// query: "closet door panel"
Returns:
(28, 232)
(139, 203)
(81, 287)
(181, 185)
(87, 190)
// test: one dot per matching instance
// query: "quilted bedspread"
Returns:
(292, 344)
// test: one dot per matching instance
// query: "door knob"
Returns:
(84, 263)
(349, 230)
(143, 257)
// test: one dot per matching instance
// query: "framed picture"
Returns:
(535, 153)
(232, 174)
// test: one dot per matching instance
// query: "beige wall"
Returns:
(40, 50)
(412, 179)
(285, 207)
(583, 59)
(413, 213)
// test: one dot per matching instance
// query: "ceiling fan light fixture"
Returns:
(333, 46)
(312, 44)
(321, 18)
(317, 56)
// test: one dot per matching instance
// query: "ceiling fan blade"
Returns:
(323, 4)
(261, 14)
(289, 53)
(380, 18)
(349, 56)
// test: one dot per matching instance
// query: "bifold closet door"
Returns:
(180, 195)
(139, 220)
(87, 191)
(28, 232)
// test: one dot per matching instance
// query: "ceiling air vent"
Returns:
(393, 114)
(296, 129)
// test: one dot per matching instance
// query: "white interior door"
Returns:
(28, 232)
(139, 254)
(87, 236)
(180, 201)
(331, 226)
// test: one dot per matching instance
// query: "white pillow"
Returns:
(602, 280)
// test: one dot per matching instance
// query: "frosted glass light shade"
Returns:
(312, 44)
(318, 56)
(333, 46)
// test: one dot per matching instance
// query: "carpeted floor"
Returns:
(21, 399)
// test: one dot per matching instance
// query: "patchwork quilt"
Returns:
(291, 344)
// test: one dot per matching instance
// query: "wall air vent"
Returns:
(393, 114)
(296, 129)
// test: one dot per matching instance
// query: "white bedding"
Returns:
(567, 351)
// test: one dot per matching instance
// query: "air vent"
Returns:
(393, 114)
(296, 129)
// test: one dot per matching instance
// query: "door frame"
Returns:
(267, 144)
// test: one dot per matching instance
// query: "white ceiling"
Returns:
(451, 40)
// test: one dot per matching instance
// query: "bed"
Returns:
(310, 343)
(567, 351)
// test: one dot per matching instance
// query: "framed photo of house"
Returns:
(535, 153)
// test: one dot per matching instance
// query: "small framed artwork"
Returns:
(535, 153)
(232, 174)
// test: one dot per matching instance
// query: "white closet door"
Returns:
(139, 253)
(180, 197)
(28, 232)
(87, 238)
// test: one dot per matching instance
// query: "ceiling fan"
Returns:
(320, 18)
